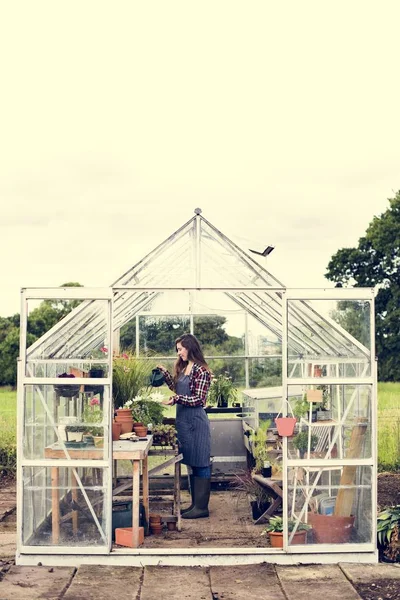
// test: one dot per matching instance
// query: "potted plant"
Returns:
(324, 413)
(300, 441)
(259, 498)
(67, 391)
(164, 435)
(389, 533)
(74, 433)
(222, 391)
(130, 376)
(274, 530)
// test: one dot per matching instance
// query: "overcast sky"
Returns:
(279, 119)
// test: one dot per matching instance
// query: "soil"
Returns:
(382, 589)
(388, 489)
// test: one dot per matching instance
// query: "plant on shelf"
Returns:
(300, 441)
(164, 435)
(92, 414)
(301, 408)
(98, 369)
(130, 376)
(222, 391)
(145, 409)
(389, 533)
(259, 446)
(74, 433)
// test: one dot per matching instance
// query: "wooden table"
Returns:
(274, 487)
(137, 452)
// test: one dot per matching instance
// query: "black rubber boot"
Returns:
(202, 487)
(185, 510)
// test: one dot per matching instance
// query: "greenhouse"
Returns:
(300, 359)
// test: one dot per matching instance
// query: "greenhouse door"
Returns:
(329, 374)
(64, 491)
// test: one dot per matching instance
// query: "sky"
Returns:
(280, 120)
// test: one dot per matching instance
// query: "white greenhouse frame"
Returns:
(255, 291)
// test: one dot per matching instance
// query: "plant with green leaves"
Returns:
(259, 445)
(300, 441)
(164, 435)
(222, 389)
(245, 484)
(276, 524)
(389, 532)
(130, 376)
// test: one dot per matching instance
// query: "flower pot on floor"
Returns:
(276, 538)
(330, 529)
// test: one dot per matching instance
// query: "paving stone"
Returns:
(250, 582)
(359, 573)
(31, 583)
(99, 582)
(315, 582)
(8, 545)
(176, 583)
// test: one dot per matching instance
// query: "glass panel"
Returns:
(220, 335)
(69, 369)
(328, 338)
(64, 506)
(231, 367)
(68, 329)
(157, 335)
(265, 372)
(334, 421)
(59, 425)
(336, 502)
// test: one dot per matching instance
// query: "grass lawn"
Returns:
(388, 423)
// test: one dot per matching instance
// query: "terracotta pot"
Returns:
(156, 529)
(124, 416)
(276, 538)
(140, 431)
(285, 426)
(116, 431)
(154, 518)
(329, 529)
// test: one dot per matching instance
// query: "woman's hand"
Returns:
(169, 402)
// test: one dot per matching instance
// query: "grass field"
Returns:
(388, 426)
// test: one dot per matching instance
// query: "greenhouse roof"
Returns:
(197, 257)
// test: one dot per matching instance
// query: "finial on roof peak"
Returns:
(197, 211)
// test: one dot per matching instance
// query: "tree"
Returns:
(40, 320)
(376, 263)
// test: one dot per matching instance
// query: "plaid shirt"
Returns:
(199, 383)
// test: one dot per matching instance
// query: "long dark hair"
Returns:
(195, 353)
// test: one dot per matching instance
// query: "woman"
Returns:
(190, 382)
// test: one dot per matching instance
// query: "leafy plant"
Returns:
(259, 445)
(164, 435)
(301, 407)
(130, 376)
(245, 484)
(147, 411)
(92, 413)
(222, 388)
(300, 441)
(276, 524)
(389, 532)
